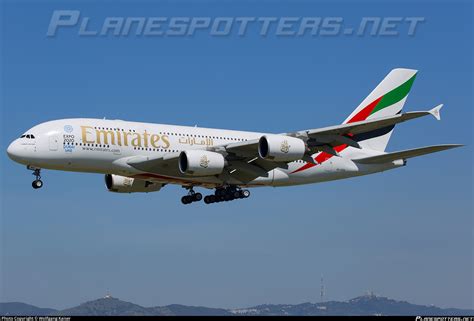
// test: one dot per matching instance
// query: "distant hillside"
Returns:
(18, 308)
(106, 306)
(363, 305)
(177, 309)
(111, 307)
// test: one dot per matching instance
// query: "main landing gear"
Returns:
(191, 197)
(37, 183)
(225, 194)
(222, 194)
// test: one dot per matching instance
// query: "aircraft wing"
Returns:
(244, 164)
(389, 157)
(154, 164)
(243, 168)
(323, 139)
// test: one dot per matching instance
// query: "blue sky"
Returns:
(406, 234)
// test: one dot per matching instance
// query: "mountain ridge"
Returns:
(362, 305)
(20, 308)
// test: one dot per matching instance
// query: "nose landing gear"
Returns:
(37, 183)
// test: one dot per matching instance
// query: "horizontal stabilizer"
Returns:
(389, 157)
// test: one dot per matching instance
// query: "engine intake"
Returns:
(201, 163)
(123, 184)
(281, 148)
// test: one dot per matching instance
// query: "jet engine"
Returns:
(280, 148)
(123, 184)
(201, 163)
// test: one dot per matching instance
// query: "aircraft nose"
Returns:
(13, 150)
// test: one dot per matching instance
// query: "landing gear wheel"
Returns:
(37, 184)
(226, 194)
(220, 192)
(186, 199)
(191, 197)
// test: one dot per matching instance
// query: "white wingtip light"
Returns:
(436, 112)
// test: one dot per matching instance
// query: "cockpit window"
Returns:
(22, 136)
(29, 136)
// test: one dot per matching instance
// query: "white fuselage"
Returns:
(104, 146)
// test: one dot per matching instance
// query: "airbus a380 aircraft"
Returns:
(144, 157)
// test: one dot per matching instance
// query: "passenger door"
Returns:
(53, 143)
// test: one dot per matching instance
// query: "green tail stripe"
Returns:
(395, 95)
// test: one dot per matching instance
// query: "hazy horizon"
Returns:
(110, 296)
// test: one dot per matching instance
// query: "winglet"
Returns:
(436, 112)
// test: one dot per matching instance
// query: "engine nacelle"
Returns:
(280, 148)
(123, 184)
(201, 163)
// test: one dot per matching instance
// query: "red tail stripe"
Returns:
(365, 112)
(361, 115)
